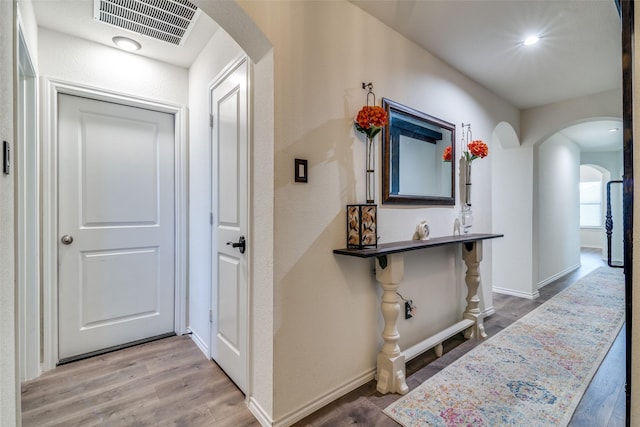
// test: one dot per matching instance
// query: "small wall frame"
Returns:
(362, 226)
(300, 170)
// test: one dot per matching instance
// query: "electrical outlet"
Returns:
(408, 309)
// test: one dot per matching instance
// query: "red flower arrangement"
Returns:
(371, 120)
(476, 150)
(446, 156)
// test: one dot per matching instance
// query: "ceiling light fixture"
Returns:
(126, 43)
(613, 130)
(531, 40)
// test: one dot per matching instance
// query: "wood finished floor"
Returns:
(162, 383)
(170, 383)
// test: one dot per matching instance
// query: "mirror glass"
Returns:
(413, 171)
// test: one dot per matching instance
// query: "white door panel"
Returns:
(116, 200)
(228, 298)
(113, 192)
(123, 285)
(229, 108)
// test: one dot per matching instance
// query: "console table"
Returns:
(389, 272)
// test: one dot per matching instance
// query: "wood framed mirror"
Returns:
(413, 171)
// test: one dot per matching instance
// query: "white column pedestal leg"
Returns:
(472, 255)
(438, 350)
(391, 362)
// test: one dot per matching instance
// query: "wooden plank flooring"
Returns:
(171, 383)
(162, 383)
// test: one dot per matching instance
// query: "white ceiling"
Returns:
(578, 54)
(579, 51)
(75, 17)
(596, 135)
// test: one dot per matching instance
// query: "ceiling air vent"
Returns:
(167, 20)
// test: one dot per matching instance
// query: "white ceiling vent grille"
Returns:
(167, 20)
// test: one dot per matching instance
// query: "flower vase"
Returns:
(467, 184)
(466, 219)
(370, 172)
(466, 215)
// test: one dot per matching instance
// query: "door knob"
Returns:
(241, 245)
(66, 239)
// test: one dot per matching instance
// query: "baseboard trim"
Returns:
(314, 405)
(556, 276)
(319, 403)
(199, 343)
(261, 415)
(520, 294)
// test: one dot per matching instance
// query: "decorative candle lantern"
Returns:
(362, 226)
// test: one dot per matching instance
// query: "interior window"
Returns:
(591, 204)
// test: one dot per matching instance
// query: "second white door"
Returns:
(229, 142)
(115, 224)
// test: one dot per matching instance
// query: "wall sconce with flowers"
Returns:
(362, 218)
(471, 150)
(370, 121)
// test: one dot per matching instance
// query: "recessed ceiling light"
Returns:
(531, 40)
(126, 43)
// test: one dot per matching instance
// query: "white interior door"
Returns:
(229, 208)
(115, 224)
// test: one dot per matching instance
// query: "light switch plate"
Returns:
(6, 158)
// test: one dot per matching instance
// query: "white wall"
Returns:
(218, 53)
(610, 160)
(539, 123)
(592, 238)
(71, 59)
(513, 216)
(262, 182)
(27, 20)
(558, 208)
(326, 326)
(9, 385)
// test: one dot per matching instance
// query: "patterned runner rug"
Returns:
(532, 373)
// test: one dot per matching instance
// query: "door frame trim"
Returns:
(27, 245)
(50, 89)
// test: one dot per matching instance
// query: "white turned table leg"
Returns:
(472, 255)
(391, 362)
(438, 350)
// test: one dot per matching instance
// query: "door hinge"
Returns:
(210, 120)
(210, 316)
(211, 218)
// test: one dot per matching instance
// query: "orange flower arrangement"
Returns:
(476, 150)
(371, 120)
(446, 155)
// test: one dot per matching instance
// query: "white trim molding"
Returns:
(557, 276)
(322, 401)
(27, 213)
(511, 292)
(204, 348)
(50, 89)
